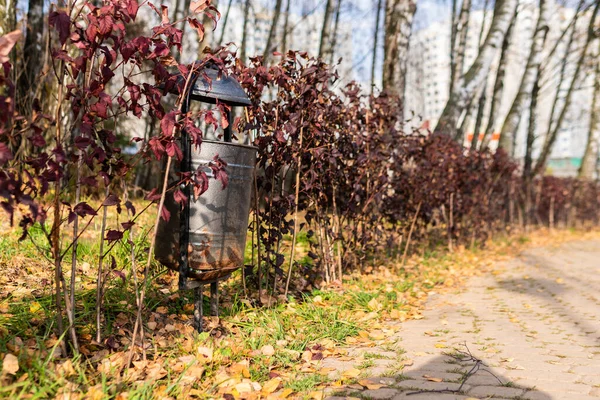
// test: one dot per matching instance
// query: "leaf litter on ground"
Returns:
(250, 353)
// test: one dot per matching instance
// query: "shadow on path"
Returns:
(457, 375)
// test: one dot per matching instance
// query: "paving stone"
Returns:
(428, 385)
(495, 391)
(380, 394)
(430, 396)
(420, 374)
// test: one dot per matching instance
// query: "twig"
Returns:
(412, 227)
(299, 164)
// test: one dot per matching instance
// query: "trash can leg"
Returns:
(198, 308)
(214, 299)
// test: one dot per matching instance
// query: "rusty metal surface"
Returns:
(218, 218)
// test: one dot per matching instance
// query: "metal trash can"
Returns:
(218, 218)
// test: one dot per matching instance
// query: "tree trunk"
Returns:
(479, 117)
(511, 122)
(272, 31)
(220, 42)
(8, 16)
(399, 16)
(503, 14)
(334, 38)
(375, 44)
(286, 22)
(325, 43)
(208, 41)
(590, 156)
(528, 162)
(553, 132)
(32, 54)
(453, 26)
(483, 96)
(244, 44)
(498, 85)
(462, 30)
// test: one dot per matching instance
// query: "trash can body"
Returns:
(218, 217)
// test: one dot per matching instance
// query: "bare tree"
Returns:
(481, 104)
(334, 38)
(375, 43)
(498, 85)
(554, 129)
(462, 30)
(528, 80)
(590, 156)
(399, 16)
(32, 53)
(462, 94)
(269, 47)
(286, 23)
(325, 42)
(224, 23)
(244, 44)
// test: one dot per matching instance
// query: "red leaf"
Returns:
(82, 209)
(167, 124)
(200, 183)
(153, 195)
(132, 8)
(5, 154)
(113, 235)
(194, 23)
(62, 23)
(199, 6)
(105, 24)
(111, 200)
(165, 214)
(127, 225)
(179, 197)
(173, 150)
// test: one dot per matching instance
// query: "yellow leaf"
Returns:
(285, 393)
(271, 386)
(317, 395)
(244, 387)
(205, 354)
(440, 346)
(370, 384)
(560, 280)
(34, 307)
(351, 373)
(432, 379)
(376, 335)
(10, 365)
(374, 304)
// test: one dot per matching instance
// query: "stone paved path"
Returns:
(535, 322)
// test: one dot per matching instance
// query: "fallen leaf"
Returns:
(440, 346)
(370, 384)
(432, 379)
(34, 307)
(376, 335)
(205, 354)
(351, 373)
(271, 385)
(10, 364)
(267, 350)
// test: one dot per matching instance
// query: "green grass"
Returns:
(306, 383)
